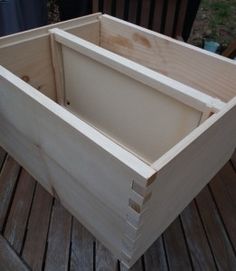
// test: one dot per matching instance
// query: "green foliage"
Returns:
(222, 15)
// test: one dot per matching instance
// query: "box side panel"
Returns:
(46, 140)
(184, 171)
(137, 116)
(43, 31)
(30, 59)
(212, 74)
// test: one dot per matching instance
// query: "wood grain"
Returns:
(9, 260)
(35, 242)
(82, 248)
(220, 245)
(175, 59)
(155, 256)
(17, 220)
(57, 256)
(223, 187)
(104, 259)
(199, 249)
(176, 249)
(8, 178)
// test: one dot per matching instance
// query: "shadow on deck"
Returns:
(37, 233)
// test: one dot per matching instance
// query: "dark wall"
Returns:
(19, 15)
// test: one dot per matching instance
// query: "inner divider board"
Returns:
(137, 107)
(91, 175)
(183, 62)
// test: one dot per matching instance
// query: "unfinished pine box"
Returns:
(125, 126)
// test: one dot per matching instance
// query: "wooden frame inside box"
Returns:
(124, 125)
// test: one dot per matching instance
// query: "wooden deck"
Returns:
(37, 233)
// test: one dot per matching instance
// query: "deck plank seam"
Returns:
(13, 250)
(222, 220)
(27, 222)
(70, 246)
(186, 242)
(165, 251)
(4, 160)
(233, 165)
(48, 228)
(10, 202)
(206, 235)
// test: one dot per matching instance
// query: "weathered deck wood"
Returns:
(19, 212)
(224, 192)
(82, 248)
(104, 259)
(43, 236)
(216, 234)
(177, 253)
(9, 261)
(35, 243)
(57, 257)
(8, 178)
(155, 257)
(198, 246)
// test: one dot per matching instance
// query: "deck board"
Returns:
(9, 260)
(57, 257)
(37, 233)
(224, 191)
(176, 248)
(104, 259)
(82, 248)
(16, 223)
(8, 179)
(199, 249)
(216, 233)
(155, 257)
(36, 237)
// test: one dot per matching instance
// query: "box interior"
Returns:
(140, 118)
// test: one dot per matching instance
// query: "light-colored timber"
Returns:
(123, 125)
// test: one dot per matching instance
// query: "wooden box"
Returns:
(125, 126)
